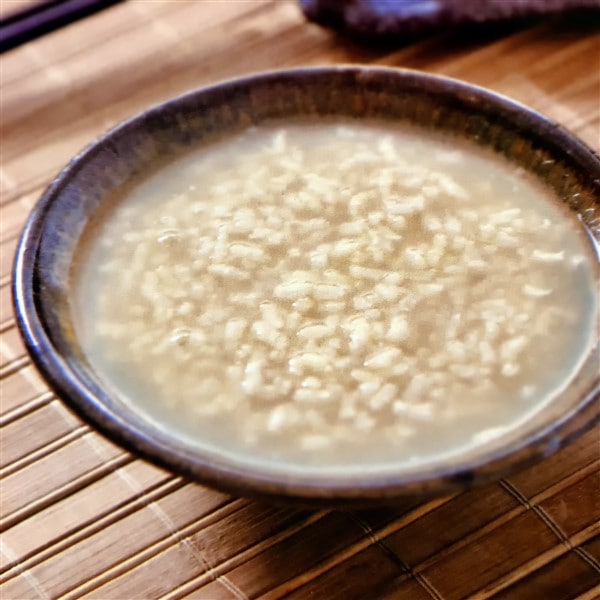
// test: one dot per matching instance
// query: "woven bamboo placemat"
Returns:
(82, 518)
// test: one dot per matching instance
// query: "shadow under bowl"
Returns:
(43, 265)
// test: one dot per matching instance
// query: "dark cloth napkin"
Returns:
(401, 19)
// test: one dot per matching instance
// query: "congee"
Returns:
(336, 295)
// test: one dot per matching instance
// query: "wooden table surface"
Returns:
(82, 518)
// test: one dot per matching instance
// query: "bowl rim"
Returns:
(242, 479)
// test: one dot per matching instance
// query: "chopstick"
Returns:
(46, 16)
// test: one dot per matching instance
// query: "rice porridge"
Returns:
(336, 294)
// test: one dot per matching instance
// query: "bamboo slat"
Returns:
(79, 517)
(21, 389)
(11, 7)
(566, 576)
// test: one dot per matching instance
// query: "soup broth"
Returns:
(336, 295)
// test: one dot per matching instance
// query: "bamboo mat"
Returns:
(82, 518)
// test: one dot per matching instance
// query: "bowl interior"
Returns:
(51, 239)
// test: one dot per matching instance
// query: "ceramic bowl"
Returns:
(42, 289)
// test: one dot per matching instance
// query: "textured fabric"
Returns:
(409, 18)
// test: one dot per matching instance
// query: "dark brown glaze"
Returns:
(43, 265)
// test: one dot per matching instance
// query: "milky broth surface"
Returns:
(336, 295)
